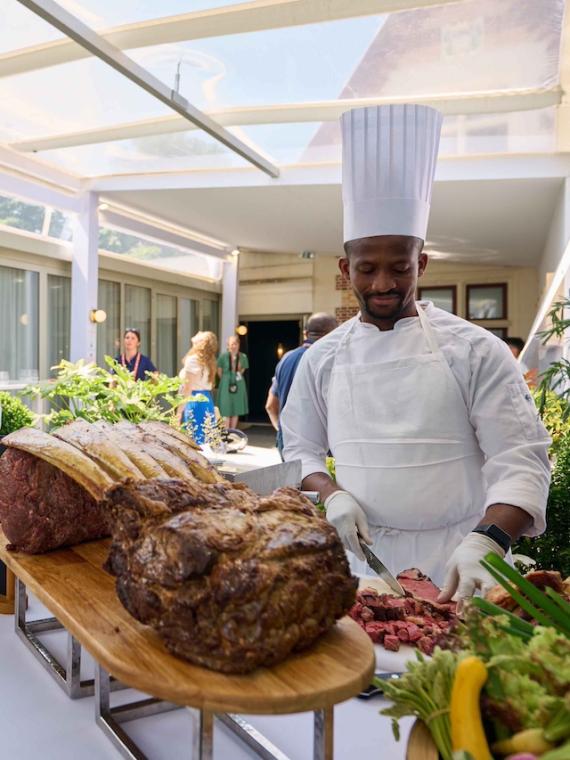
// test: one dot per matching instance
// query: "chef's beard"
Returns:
(382, 314)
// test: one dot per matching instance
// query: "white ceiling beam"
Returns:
(159, 233)
(47, 174)
(477, 167)
(319, 111)
(234, 19)
(112, 56)
(32, 191)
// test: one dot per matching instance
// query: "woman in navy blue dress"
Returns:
(131, 358)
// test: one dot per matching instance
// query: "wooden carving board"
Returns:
(81, 595)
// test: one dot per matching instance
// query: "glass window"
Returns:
(59, 320)
(210, 316)
(23, 216)
(137, 313)
(19, 321)
(188, 325)
(166, 334)
(109, 331)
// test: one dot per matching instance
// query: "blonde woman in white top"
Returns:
(197, 375)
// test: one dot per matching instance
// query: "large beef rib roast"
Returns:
(52, 485)
(230, 581)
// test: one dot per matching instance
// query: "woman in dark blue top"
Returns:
(131, 358)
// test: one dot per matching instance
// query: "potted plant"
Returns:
(14, 414)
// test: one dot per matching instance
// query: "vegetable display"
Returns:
(506, 691)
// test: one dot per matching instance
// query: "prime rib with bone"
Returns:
(230, 581)
(416, 619)
(51, 485)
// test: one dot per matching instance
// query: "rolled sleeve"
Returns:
(303, 422)
(511, 435)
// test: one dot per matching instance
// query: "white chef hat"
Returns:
(388, 163)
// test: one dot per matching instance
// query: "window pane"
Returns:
(59, 320)
(137, 313)
(19, 321)
(109, 331)
(23, 216)
(210, 320)
(166, 334)
(189, 325)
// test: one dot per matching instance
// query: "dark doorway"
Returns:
(261, 344)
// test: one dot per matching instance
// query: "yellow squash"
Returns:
(467, 732)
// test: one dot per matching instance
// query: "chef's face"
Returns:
(383, 272)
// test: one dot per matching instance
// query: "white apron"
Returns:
(405, 449)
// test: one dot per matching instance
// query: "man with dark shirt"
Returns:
(318, 325)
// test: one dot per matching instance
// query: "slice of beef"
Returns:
(230, 581)
(41, 508)
(418, 585)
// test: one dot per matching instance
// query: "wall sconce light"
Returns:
(97, 316)
(241, 330)
(235, 252)
(103, 206)
(280, 350)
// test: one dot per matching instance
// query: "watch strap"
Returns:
(498, 535)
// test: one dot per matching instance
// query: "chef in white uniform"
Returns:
(440, 455)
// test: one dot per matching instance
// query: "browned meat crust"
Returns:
(229, 580)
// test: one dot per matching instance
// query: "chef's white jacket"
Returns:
(516, 469)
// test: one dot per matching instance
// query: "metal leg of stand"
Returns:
(252, 737)
(202, 734)
(323, 742)
(68, 676)
(109, 719)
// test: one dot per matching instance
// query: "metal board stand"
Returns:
(109, 719)
(67, 676)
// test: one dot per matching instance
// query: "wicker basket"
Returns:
(420, 744)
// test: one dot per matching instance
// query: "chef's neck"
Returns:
(387, 323)
(130, 353)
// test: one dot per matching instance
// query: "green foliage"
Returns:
(92, 393)
(557, 377)
(14, 414)
(554, 413)
(552, 550)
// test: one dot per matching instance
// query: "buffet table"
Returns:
(62, 727)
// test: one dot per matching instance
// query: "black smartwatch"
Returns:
(497, 534)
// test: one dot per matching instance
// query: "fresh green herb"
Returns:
(424, 691)
(533, 601)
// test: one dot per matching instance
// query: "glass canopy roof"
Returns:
(274, 87)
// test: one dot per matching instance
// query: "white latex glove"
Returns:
(347, 516)
(464, 573)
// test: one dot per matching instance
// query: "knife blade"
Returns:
(381, 570)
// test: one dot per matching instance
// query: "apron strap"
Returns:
(428, 331)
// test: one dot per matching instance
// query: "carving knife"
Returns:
(381, 570)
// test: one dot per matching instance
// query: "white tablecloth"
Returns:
(38, 720)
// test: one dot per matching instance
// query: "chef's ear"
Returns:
(344, 266)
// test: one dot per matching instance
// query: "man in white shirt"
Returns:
(440, 455)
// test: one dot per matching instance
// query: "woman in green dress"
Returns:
(232, 391)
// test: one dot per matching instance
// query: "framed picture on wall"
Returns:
(442, 296)
(500, 332)
(487, 301)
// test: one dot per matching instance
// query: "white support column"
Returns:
(84, 275)
(229, 300)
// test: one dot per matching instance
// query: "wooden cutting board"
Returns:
(73, 586)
